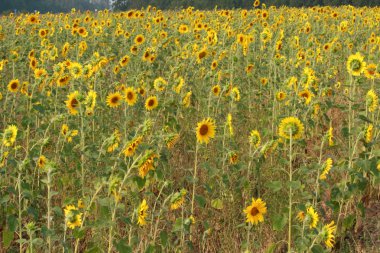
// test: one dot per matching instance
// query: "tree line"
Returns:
(229, 4)
(50, 5)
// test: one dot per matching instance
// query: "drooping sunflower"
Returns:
(151, 103)
(356, 64)
(255, 212)
(114, 99)
(72, 102)
(130, 96)
(177, 199)
(369, 133)
(10, 135)
(372, 100)
(205, 130)
(172, 140)
(328, 234)
(306, 95)
(147, 163)
(63, 80)
(13, 85)
(312, 216)
(73, 217)
(291, 127)
(254, 138)
(142, 213)
(326, 168)
(187, 99)
(330, 136)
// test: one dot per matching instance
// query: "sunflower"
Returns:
(151, 103)
(187, 99)
(372, 100)
(312, 216)
(280, 95)
(114, 99)
(130, 96)
(139, 39)
(370, 71)
(205, 130)
(73, 217)
(255, 212)
(72, 102)
(328, 234)
(124, 61)
(201, 55)
(76, 70)
(326, 168)
(90, 102)
(177, 199)
(130, 149)
(233, 158)
(114, 141)
(32, 19)
(256, 3)
(369, 133)
(177, 88)
(160, 84)
(41, 161)
(10, 135)
(229, 124)
(301, 216)
(13, 85)
(291, 127)
(33, 63)
(216, 90)
(306, 95)
(146, 164)
(330, 137)
(355, 64)
(254, 138)
(40, 73)
(183, 29)
(142, 213)
(171, 141)
(235, 93)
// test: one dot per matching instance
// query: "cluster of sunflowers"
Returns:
(189, 130)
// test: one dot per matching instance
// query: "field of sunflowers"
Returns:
(190, 131)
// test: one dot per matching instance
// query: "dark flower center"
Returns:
(203, 130)
(254, 211)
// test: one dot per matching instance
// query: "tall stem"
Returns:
(290, 194)
(194, 180)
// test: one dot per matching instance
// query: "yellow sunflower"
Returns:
(10, 135)
(291, 126)
(13, 85)
(326, 168)
(177, 199)
(151, 103)
(130, 96)
(306, 95)
(139, 39)
(312, 216)
(216, 90)
(72, 102)
(114, 99)
(41, 162)
(356, 64)
(369, 133)
(372, 100)
(255, 212)
(73, 217)
(142, 213)
(255, 138)
(205, 130)
(328, 234)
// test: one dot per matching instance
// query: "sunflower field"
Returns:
(190, 131)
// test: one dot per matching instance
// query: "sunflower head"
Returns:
(205, 130)
(291, 127)
(151, 103)
(254, 138)
(114, 99)
(356, 64)
(130, 96)
(255, 212)
(9, 136)
(328, 234)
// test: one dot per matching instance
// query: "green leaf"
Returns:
(364, 118)
(164, 238)
(349, 221)
(151, 248)
(317, 249)
(123, 247)
(279, 221)
(200, 200)
(295, 185)
(217, 204)
(7, 238)
(271, 248)
(275, 186)
(95, 249)
(79, 233)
